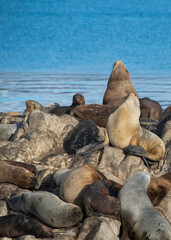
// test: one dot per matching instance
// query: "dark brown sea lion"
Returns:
(167, 110)
(119, 83)
(97, 199)
(97, 113)
(78, 99)
(21, 174)
(17, 225)
(150, 109)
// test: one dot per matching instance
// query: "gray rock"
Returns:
(99, 228)
(6, 131)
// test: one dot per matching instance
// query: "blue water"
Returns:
(44, 42)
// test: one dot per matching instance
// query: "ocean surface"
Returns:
(52, 49)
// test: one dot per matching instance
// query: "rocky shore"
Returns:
(53, 143)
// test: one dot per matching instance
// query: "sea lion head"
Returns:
(120, 72)
(78, 99)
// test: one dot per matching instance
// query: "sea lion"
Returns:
(99, 114)
(150, 109)
(97, 200)
(17, 225)
(78, 100)
(167, 110)
(73, 182)
(34, 105)
(123, 130)
(21, 174)
(48, 208)
(158, 188)
(137, 212)
(14, 114)
(119, 83)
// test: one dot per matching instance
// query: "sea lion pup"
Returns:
(123, 130)
(78, 99)
(97, 200)
(150, 109)
(21, 174)
(119, 83)
(17, 225)
(48, 208)
(137, 212)
(97, 113)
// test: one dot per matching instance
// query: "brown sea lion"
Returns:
(158, 188)
(97, 113)
(150, 109)
(167, 110)
(123, 130)
(97, 199)
(17, 225)
(21, 174)
(78, 99)
(119, 83)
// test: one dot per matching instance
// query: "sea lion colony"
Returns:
(76, 194)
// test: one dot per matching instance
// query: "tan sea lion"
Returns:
(21, 174)
(14, 114)
(73, 182)
(123, 129)
(119, 83)
(17, 225)
(150, 109)
(48, 208)
(78, 100)
(139, 217)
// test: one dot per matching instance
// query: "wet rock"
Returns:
(99, 228)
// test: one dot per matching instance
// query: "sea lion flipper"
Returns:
(140, 152)
(93, 148)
